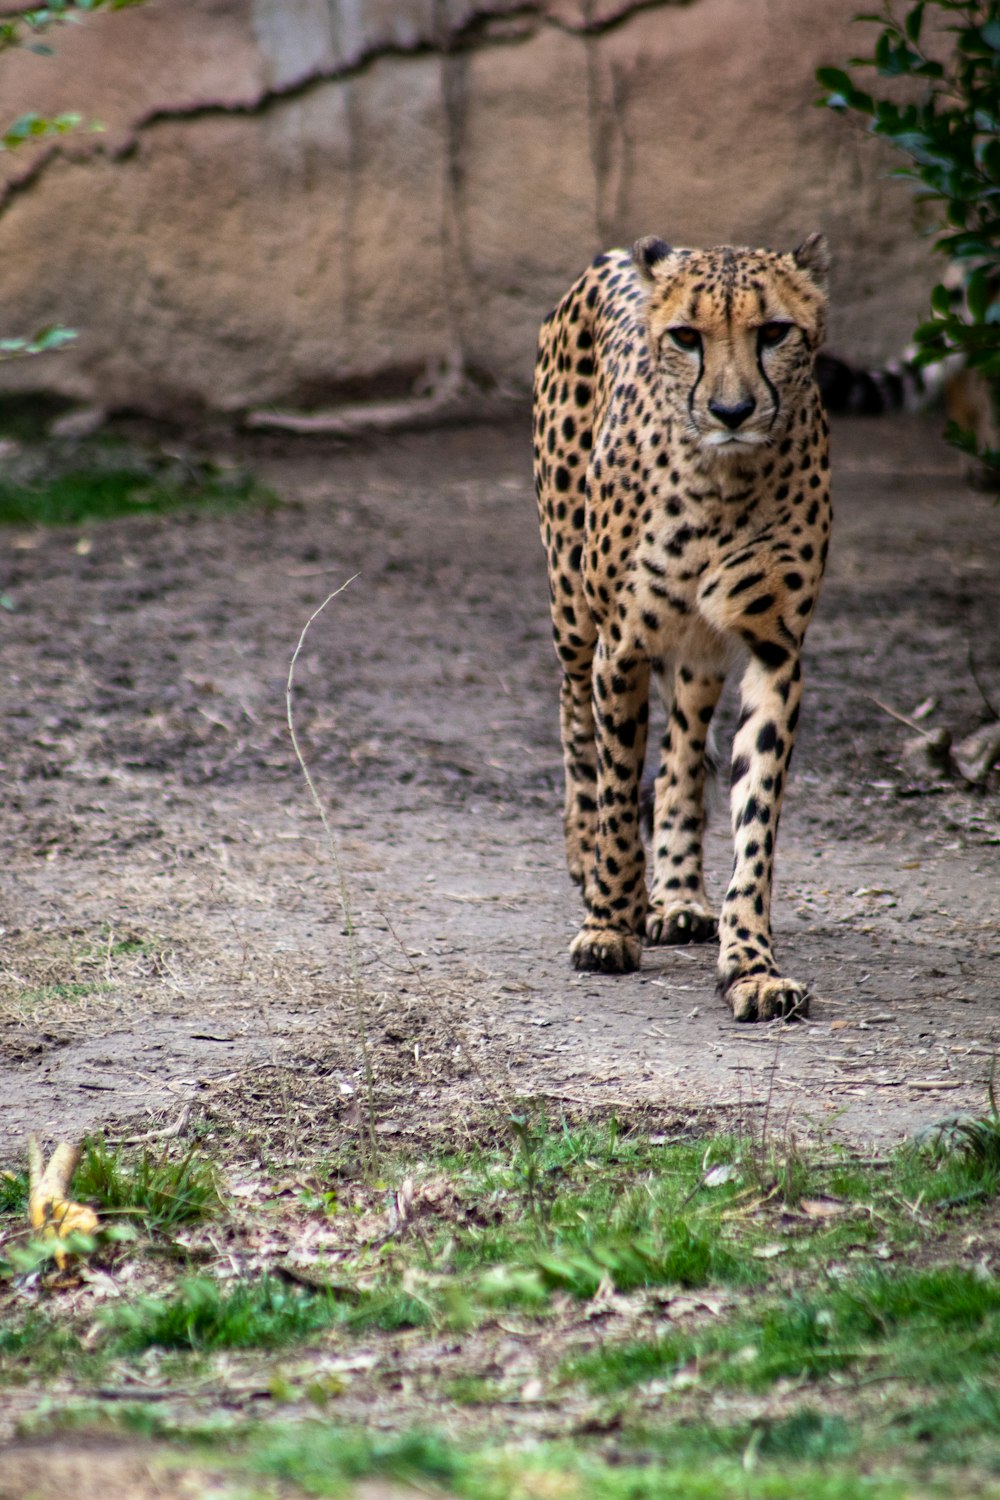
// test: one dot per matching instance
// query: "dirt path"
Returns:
(170, 912)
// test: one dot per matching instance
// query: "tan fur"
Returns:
(683, 487)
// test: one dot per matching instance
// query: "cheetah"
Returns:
(682, 476)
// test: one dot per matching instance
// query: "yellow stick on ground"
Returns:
(52, 1212)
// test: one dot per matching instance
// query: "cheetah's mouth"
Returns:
(719, 438)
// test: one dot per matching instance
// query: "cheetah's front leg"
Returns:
(679, 908)
(610, 939)
(762, 748)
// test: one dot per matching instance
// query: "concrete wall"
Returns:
(293, 200)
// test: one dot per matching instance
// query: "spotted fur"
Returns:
(682, 475)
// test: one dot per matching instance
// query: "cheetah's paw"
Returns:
(764, 997)
(681, 922)
(606, 951)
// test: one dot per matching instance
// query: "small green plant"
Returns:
(13, 1192)
(42, 342)
(940, 1326)
(948, 123)
(527, 1162)
(202, 1315)
(160, 1191)
(101, 492)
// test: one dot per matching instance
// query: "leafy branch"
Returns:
(24, 29)
(948, 125)
(42, 342)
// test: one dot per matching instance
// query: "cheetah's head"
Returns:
(733, 334)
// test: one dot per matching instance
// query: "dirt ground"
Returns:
(171, 926)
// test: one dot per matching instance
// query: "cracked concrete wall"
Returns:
(292, 200)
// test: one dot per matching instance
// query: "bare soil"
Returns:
(172, 926)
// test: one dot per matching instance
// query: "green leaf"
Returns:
(941, 300)
(834, 78)
(53, 337)
(961, 437)
(43, 342)
(915, 21)
(978, 295)
(33, 126)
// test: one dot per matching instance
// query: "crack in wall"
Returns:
(482, 28)
(453, 43)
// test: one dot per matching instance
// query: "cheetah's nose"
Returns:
(733, 416)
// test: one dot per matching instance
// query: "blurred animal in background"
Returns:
(910, 383)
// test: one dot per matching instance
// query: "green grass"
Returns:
(323, 1460)
(158, 1191)
(938, 1326)
(578, 1211)
(39, 1347)
(862, 1358)
(13, 1193)
(575, 1208)
(157, 1194)
(102, 492)
(203, 1315)
(44, 996)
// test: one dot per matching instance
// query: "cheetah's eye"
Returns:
(687, 339)
(773, 334)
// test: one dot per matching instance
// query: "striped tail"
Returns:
(900, 385)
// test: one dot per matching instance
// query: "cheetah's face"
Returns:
(733, 334)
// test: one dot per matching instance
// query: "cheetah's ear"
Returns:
(813, 255)
(647, 252)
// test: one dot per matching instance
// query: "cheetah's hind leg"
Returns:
(576, 715)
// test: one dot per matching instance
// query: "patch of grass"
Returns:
(37, 1347)
(17, 1338)
(945, 1181)
(472, 1390)
(47, 996)
(202, 1315)
(102, 491)
(961, 1427)
(570, 1210)
(156, 1190)
(322, 1460)
(677, 1255)
(940, 1326)
(13, 1192)
(390, 1310)
(574, 1210)
(56, 981)
(823, 1370)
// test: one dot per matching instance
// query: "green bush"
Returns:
(948, 124)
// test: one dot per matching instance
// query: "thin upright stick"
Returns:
(345, 901)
